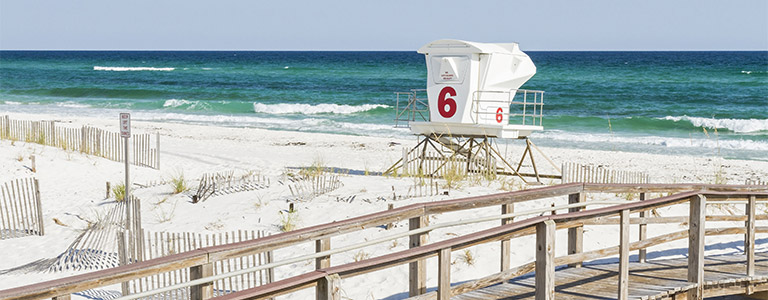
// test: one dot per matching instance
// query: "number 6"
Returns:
(446, 106)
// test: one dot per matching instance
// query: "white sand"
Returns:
(72, 186)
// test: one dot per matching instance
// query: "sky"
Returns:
(382, 24)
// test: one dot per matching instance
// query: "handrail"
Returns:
(494, 234)
(537, 104)
(361, 245)
(209, 254)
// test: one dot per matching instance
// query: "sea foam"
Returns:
(124, 69)
(735, 125)
(671, 142)
(308, 109)
(182, 103)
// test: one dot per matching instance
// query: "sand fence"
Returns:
(145, 148)
(226, 182)
(574, 172)
(159, 244)
(20, 212)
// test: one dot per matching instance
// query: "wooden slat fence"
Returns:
(20, 209)
(574, 172)
(86, 139)
(425, 163)
(756, 182)
(226, 182)
(160, 244)
(308, 187)
(96, 247)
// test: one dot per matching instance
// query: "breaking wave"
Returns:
(308, 109)
(735, 125)
(187, 104)
(124, 69)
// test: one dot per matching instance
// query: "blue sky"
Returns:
(382, 25)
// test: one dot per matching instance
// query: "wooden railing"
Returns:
(325, 277)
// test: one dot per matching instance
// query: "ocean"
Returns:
(696, 103)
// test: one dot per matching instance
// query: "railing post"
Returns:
(545, 260)
(576, 234)
(328, 288)
(417, 273)
(749, 241)
(321, 263)
(205, 290)
(122, 258)
(642, 252)
(624, 255)
(696, 233)
(506, 245)
(444, 274)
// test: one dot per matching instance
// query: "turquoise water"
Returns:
(700, 103)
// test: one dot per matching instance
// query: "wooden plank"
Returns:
(624, 256)
(417, 274)
(545, 260)
(696, 234)
(444, 274)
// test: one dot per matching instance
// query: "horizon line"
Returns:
(390, 50)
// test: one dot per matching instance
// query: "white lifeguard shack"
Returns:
(473, 97)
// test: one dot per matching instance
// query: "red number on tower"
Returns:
(499, 116)
(446, 106)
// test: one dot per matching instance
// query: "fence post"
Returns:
(54, 142)
(545, 260)
(444, 274)
(41, 226)
(506, 245)
(322, 262)
(83, 140)
(157, 150)
(328, 288)
(696, 245)
(624, 255)
(417, 273)
(32, 162)
(576, 234)
(205, 290)
(749, 242)
(7, 127)
(642, 252)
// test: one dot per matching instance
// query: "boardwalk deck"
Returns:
(655, 279)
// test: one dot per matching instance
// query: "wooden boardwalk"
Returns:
(655, 279)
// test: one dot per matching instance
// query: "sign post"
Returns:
(125, 133)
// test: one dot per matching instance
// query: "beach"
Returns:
(72, 190)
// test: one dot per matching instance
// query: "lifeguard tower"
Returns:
(473, 97)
